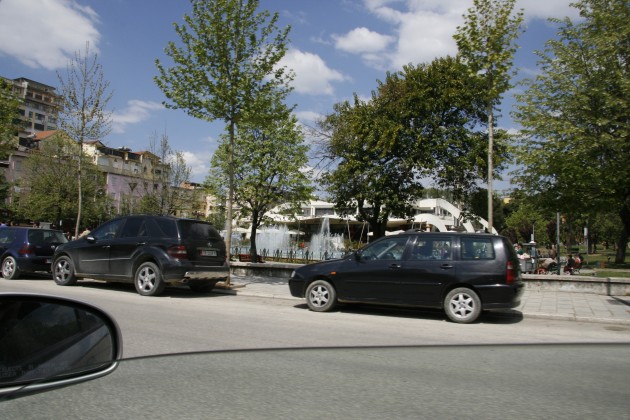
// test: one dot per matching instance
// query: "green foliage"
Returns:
(49, 186)
(268, 163)
(422, 122)
(575, 141)
(486, 43)
(225, 67)
(9, 114)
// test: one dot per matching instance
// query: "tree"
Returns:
(486, 42)
(368, 181)
(164, 193)
(84, 95)
(227, 61)
(576, 118)
(49, 186)
(420, 124)
(9, 114)
(268, 163)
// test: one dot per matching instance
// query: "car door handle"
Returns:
(141, 244)
(106, 246)
(445, 266)
(394, 266)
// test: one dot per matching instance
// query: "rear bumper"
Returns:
(32, 264)
(501, 296)
(185, 274)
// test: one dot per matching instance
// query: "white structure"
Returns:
(435, 214)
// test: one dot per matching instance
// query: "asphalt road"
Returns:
(357, 362)
(181, 321)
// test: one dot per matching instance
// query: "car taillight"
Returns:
(26, 249)
(178, 251)
(510, 275)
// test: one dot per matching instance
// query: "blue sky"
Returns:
(338, 47)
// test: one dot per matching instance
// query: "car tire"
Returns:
(321, 296)
(201, 286)
(462, 305)
(63, 271)
(10, 269)
(148, 279)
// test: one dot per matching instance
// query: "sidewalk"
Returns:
(573, 306)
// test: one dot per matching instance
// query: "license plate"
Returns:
(208, 253)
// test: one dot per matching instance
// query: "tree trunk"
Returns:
(80, 201)
(253, 252)
(622, 243)
(230, 201)
(490, 167)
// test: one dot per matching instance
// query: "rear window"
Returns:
(41, 236)
(477, 248)
(189, 229)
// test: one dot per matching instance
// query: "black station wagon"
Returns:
(148, 251)
(462, 273)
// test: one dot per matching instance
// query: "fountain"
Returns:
(324, 244)
(273, 238)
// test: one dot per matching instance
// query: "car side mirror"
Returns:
(49, 342)
(91, 239)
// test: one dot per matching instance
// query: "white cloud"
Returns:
(198, 167)
(362, 40)
(308, 116)
(135, 112)
(424, 28)
(46, 33)
(312, 75)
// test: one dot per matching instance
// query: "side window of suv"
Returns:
(134, 227)
(477, 249)
(107, 231)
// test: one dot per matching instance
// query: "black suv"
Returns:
(27, 249)
(150, 251)
(461, 273)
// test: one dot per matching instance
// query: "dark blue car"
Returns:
(27, 250)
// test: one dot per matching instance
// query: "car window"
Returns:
(477, 249)
(385, 249)
(431, 249)
(107, 230)
(197, 230)
(6, 236)
(166, 228)
(46, 236)
(36, 236)
(134, 227)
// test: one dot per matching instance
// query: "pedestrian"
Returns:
(568, 268)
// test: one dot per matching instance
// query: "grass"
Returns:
(603, 263)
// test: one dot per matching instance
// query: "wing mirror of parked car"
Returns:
(49, 342)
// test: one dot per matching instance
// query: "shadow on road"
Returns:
(487, 317)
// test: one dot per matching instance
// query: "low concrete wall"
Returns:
(272, 269)
(616, 286)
